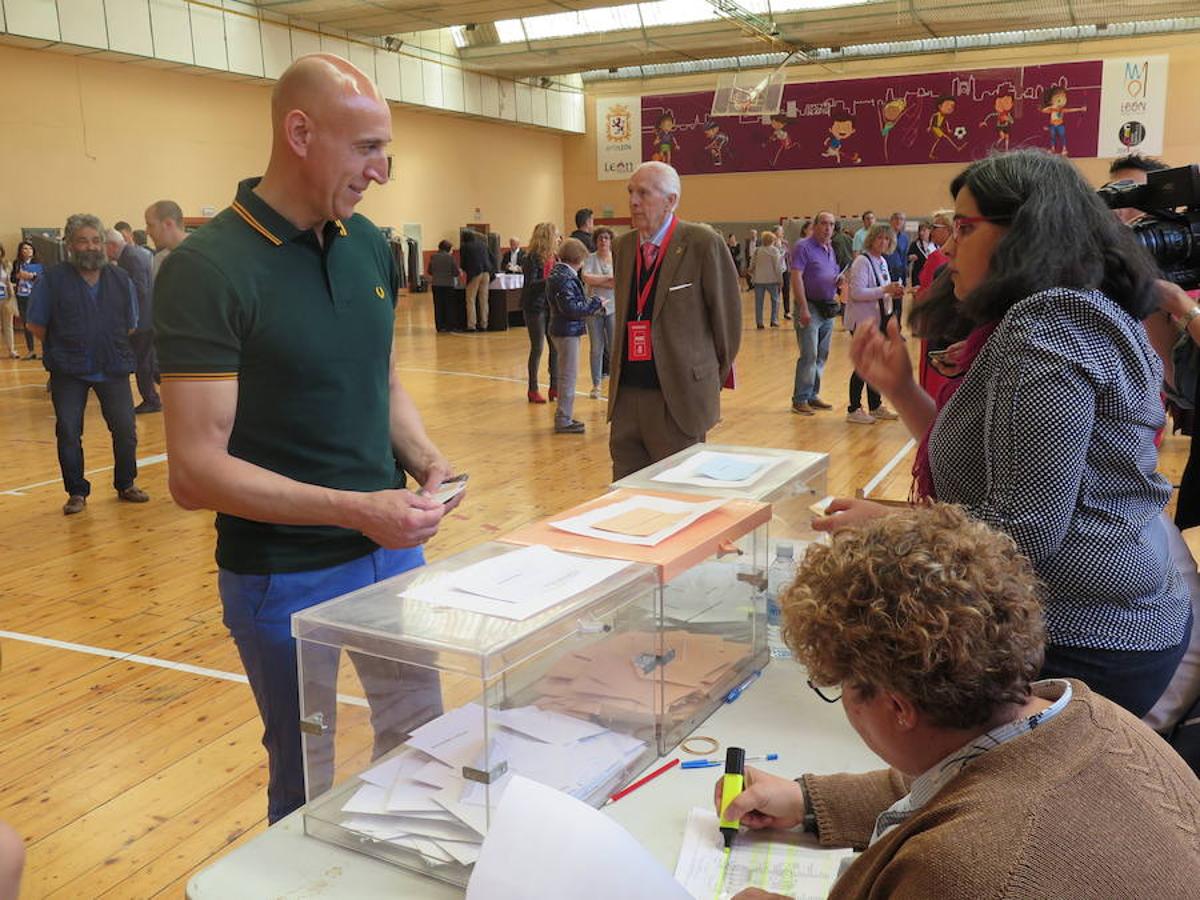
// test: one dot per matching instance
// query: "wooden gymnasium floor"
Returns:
(125, 776)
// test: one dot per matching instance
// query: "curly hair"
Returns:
(883, 229)
(927, 603)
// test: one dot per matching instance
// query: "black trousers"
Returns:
(70, 396)
(147, 375)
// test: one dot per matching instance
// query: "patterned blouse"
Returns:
(1050, 438)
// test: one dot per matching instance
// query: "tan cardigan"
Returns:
(1091, 804)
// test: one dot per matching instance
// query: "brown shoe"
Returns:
(818, 403)
(802, 409)
(133, 494)
(74, 504)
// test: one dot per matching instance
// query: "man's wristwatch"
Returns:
(809, 822)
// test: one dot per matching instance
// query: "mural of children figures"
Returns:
(889, 114)
(717, 142)
(940, 127)
(1056, 107)
(779, 133)
(1004, 117)
(840, 130)
(665, 141)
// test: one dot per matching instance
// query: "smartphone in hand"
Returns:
(451, 488)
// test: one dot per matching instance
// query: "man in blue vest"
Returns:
(83, 311)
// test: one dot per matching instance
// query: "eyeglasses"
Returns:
(964, 225)
(820, 693)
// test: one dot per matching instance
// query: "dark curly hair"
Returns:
(927, 603)
(1060, 235)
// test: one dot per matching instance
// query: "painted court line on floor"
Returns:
(887, 469)
(477, 375)
(20, 491)
(21, 387)
(146, 660)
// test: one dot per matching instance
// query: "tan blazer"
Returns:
(696, 327)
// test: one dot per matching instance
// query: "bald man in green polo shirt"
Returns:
(284, 413)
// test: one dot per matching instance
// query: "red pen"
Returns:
(637, 784)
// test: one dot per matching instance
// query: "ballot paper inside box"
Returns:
(423, 695)
(790, 480)
(709, 633)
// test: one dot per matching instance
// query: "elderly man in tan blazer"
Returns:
(678, 326)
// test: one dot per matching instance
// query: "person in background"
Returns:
(735, 250)
(843, 246)
(765, 274)
(443, 274)
(138, 264)
(941, 227)
(598, 277)
(926, 626)
(897, 262)
(164, 224)
(83, 310)
(816, 279)
(785, 263)
(511, 261)
(477, 264)
(1048, 431)
(141, 238)
(536, 265)
(919, 251)
(749, 245)
(26, 270)
(126, 232)
(8, 309)
(860, 236)
(585, 224)
(869, 298)
(569, 309)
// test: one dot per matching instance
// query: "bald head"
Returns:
(331, 128)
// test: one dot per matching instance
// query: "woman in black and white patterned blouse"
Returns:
(1048, 431)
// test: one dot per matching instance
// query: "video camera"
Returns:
(1171, 228)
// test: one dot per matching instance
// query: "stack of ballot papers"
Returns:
(419, 799)
(616, 679)
(641, 520)
(545, 844)
(710, 468)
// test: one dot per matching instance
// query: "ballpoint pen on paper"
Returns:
(637, 784)
(709, 763)
(737, 691)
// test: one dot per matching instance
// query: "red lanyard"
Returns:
(644, 289)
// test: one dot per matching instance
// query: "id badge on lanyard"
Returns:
(640, 347)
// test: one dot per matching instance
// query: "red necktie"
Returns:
(649, 254)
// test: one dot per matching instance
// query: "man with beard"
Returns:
(83, 310)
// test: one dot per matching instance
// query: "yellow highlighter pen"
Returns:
(732, 785)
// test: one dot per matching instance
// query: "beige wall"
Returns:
(917, 189)
(110, 138)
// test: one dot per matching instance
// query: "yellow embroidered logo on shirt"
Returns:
(380, 292)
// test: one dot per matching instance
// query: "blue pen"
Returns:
(737, 691)
(709, 763)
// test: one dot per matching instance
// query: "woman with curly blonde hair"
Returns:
(927, 627)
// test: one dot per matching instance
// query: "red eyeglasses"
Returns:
(964, 225)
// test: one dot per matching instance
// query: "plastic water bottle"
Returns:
(780, 574)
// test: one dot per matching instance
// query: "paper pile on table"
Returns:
(419, 799)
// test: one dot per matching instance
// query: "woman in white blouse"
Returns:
(869, 304)
(597, 275)
(765, 271)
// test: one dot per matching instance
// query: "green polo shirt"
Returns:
(306, 331)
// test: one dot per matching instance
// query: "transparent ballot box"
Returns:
(790, 480)
(712, 585)
(421, 696)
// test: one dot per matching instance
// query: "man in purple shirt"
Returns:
(815, 280)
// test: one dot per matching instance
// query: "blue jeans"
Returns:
(258, 613)
(813, 339)
(600, 342)
(70, 395)
(759, 291)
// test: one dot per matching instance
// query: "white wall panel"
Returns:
(363, 56)
(538, 99)
(335, 42)
(276, 49)
(304, 43)
(32, 18)
(244, 43)
(524, 103)
(431, 78)
(452, 88)
(489, 88)
(508, 100)
(554, 108)
(83, 22)
(472, 93)
(410, 80)
(172, 29)
(387, 74)
(129, 27)
(208, 38)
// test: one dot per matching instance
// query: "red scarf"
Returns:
(922, 487)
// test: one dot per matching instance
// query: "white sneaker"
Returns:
(882, 412)
(860, 417)
(594, 393)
